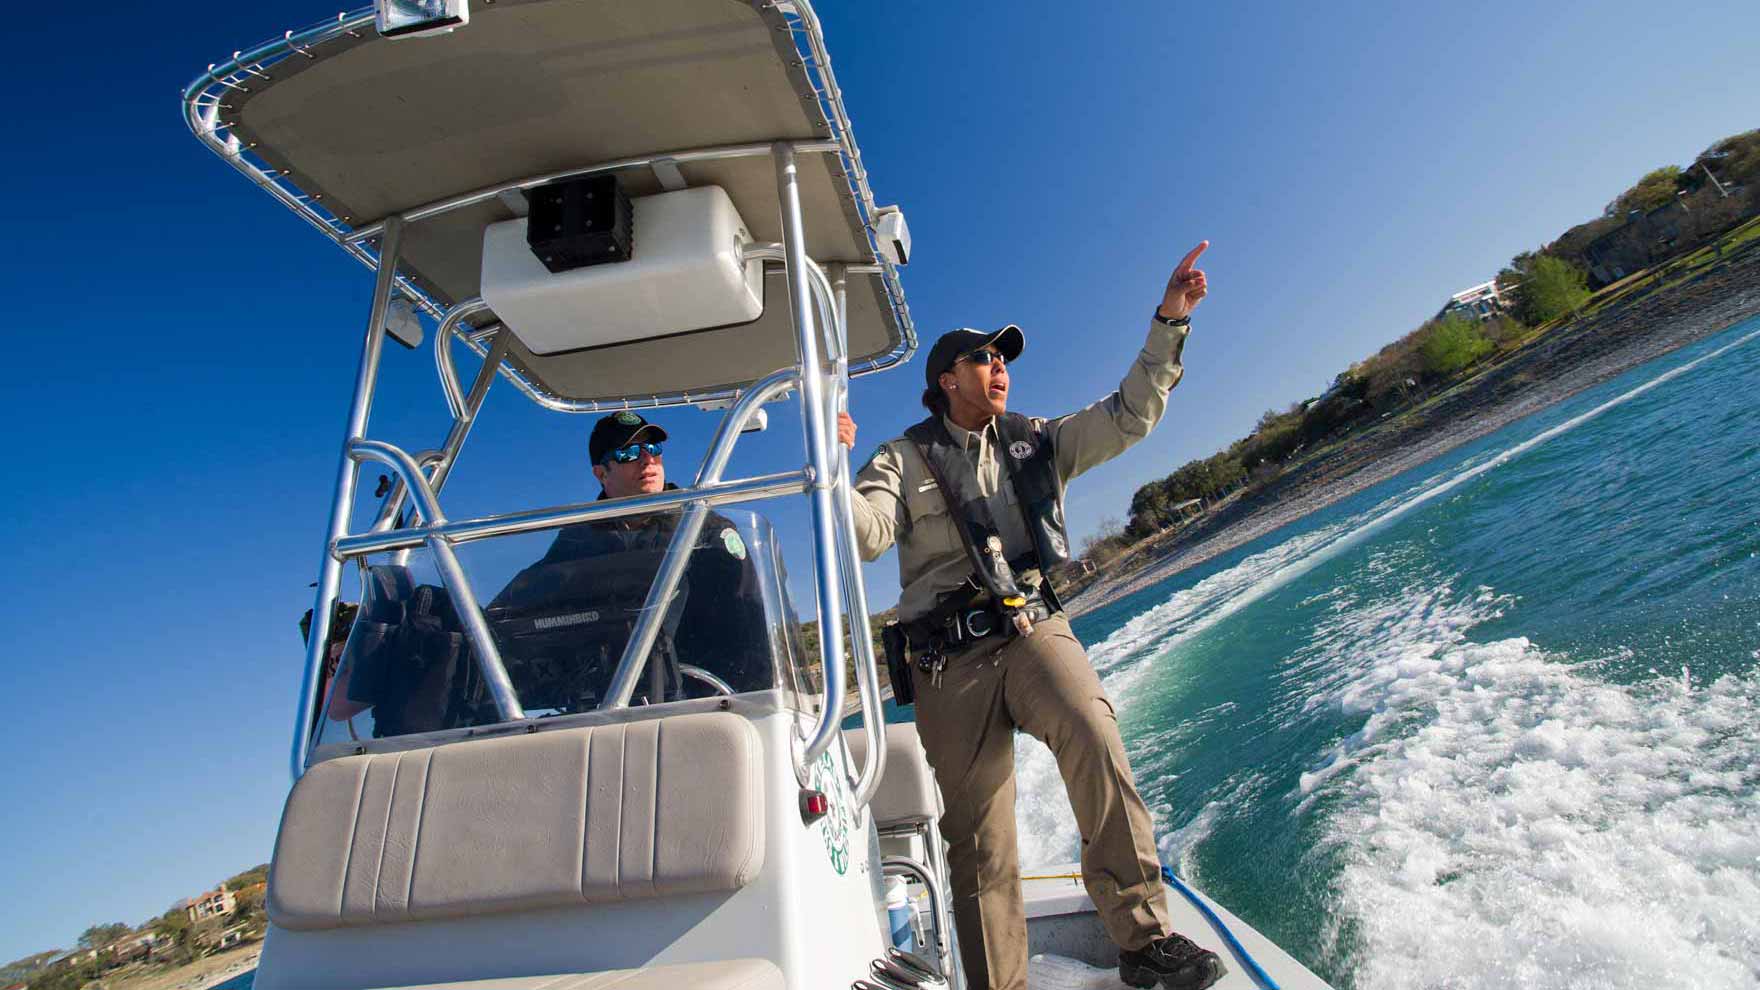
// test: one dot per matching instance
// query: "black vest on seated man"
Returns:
(1031, 464)
(716, 622)
(561, 626)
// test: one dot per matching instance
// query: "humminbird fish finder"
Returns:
(562, 627)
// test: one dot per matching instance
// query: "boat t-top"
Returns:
(586, 745)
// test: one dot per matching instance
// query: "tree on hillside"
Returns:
(1653, 190)
(19, 969)
(98, 936)
(1735, 159)
(1390, 373)
(1452, 343)
(1277, 436)
(1573, 244)
(1148, 511)
(175, 925)
(1106, 543)
(1551, 287)
(248, 906)
(1223, 471)
(249, 878)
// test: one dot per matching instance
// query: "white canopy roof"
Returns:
(348, 129)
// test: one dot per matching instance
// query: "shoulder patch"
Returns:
(731, 542)
(1020, 450)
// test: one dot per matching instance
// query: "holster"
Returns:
(898, 664)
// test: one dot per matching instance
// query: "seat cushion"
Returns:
(731, 974)
(907, 789)
(609, 813)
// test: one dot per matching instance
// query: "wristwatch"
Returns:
(1184, 321)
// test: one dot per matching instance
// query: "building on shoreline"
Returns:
(212, 904)
(1482, 302)
(135, 946)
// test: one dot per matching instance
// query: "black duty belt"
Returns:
(959, 628)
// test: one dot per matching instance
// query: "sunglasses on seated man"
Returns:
(632, 453)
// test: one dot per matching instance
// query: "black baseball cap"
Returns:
(620, 429)
(955, 344)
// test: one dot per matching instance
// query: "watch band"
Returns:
(1184, 321)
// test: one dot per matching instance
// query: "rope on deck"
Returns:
(1234, 944)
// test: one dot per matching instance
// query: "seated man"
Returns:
(562, 623)
(714, 623)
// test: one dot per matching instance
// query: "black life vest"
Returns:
(1031, 465)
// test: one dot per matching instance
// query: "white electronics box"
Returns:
(686, 271)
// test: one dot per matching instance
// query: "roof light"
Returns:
(420, 18)
(892, 235)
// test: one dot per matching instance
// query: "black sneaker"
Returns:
(1176, 961)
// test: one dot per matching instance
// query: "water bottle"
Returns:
(898, 914)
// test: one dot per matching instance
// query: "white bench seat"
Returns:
(731, 974)
(907, 793)
(602, 815)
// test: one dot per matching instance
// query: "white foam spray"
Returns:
(1504, 819)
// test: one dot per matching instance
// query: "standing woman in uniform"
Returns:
(973, 497)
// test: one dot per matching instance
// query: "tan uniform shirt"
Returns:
(900, 503)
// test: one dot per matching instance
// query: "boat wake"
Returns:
(1488, 814)
(1506, 818)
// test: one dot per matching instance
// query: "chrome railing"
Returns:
(205, 112)
(818, 308)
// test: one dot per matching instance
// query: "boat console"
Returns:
(616, 763)
(615, 760)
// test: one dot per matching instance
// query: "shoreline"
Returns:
(1528, 382)
(200, 974)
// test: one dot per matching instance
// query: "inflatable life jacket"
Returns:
(1031, 465)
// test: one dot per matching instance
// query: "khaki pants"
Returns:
(1042, 684)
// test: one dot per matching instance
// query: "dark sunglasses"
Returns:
(984, 356)
(632, 453)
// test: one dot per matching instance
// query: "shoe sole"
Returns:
(1143, 977)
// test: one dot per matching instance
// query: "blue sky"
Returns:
(183, 348)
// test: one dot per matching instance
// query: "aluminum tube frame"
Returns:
(734, 422)
(464, 599)
(394, 498)
(829, 300)
(831, 318)
(819, 438)
(684, 536)
(654, 608)
(449, 386)
(438, 463)
(342, 499)
(683, 157)
(938, 913)
(533, 520)
(720, 686)
(861, 637)
(473, 405)
(204, 99)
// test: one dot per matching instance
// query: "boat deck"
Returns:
(1061, 920)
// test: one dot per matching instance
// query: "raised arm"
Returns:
(1105, 429)
(879, 495)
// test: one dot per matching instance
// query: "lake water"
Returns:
(1491, 723)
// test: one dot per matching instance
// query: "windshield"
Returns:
(561, 607)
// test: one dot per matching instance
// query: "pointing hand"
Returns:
(1186, 287)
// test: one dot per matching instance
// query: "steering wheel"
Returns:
(721, 687)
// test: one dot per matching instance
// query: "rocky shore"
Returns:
(1564, 362)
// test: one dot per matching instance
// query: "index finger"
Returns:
(1185, 264)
